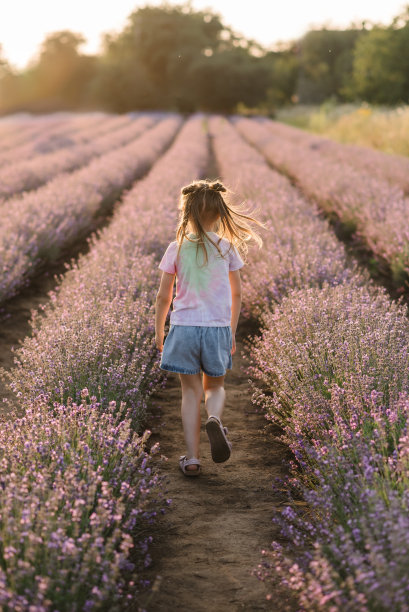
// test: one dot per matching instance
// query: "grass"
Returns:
(382, 128)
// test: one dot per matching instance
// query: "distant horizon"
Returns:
(268, 23)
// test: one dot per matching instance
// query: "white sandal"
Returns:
(184, 461)
(219, 445)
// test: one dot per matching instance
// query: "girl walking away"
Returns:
(206, 257)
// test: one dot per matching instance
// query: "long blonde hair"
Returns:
(203, 199)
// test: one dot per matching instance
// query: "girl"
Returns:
(205, 260)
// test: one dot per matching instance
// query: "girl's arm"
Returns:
(235, 285)
(162, 305)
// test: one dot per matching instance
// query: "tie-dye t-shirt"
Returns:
(203, 294)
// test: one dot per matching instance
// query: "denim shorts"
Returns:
(188, 349)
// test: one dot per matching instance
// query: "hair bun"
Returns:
(202, 186)
(188, 189)
(217, 186)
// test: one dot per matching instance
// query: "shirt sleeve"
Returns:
(235, 261)
(168, 261)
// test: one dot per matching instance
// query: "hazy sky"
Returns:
(24, 23)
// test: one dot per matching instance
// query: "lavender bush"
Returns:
(26, 175)
(97, 329)
(390, 167)
(78, 494)
(354, 337)
(43, 222)
(288, 260)
(81, 127)
(356, 529)
(332, 368)
(21, 130)
(97, 333)
(367, 205)
(155, 197)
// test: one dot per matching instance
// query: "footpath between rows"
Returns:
(210, 538)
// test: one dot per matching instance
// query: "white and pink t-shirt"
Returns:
(203, 294)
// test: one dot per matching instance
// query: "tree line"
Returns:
(176, 58)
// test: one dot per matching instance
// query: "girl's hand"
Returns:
(159, 341)
(233, 348)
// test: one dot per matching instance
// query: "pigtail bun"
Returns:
(189, 189)
(216, 186)
(202, 186)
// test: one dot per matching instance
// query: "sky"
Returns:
(25, 23)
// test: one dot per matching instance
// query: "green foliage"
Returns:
(218, 82)
(284, 73)
(381, 65)
(166, 57)
(57, 80)
(154, 54)
(62, 73)
(173, 57)
(326, 64)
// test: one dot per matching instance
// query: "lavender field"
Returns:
(326, 354)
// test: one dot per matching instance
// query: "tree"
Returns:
(326, 64)
(59, 77)
(219, 81)
(284, 66)
(9, 85)
(177, 58)
(381, 63)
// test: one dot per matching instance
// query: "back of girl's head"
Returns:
(205, 202)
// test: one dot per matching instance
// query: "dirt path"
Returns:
(209, 540)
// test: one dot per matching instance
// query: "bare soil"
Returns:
(210, 539)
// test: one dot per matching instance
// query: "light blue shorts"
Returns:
(188, 349)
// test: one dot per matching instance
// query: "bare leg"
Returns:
(192, 393)
(214, 394)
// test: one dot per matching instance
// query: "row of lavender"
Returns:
(331, 368)
(388, 167)
(79, 488)
(40, 224)
(367, 204)
(287, 261)
(16, 129)
(63, 153)
(19, 133)
(17, 146)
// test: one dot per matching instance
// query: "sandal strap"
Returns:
(191, 461)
